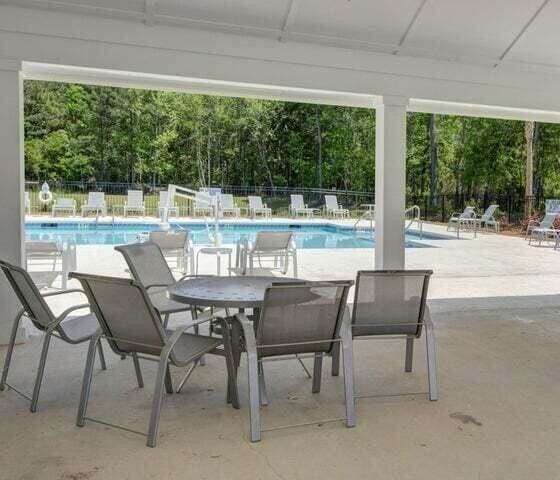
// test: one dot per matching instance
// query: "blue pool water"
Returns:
(306, 236)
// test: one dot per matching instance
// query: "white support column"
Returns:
(390, 176)
(11, 185)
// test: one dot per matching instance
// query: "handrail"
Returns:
(412, 214)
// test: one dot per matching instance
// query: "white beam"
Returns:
(289, 19)
(390, 185)
(11, 185)
(409, 26)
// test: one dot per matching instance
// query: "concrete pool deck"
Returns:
(495, 302)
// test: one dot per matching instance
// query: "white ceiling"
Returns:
(480, 32)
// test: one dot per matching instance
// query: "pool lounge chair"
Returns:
(202, 206)
(298, 318)
(43, 253)
(67, 326)
(485, 220)
(277, 247)
(543, 231)
(256, 207)
(134, 202)
(227, 205)
(177, 244)
(461, 219)
(64, 205)
(95, 203)
(137, 331)
(333, 209)
(297, 207)
(162, 204)
(392, 303)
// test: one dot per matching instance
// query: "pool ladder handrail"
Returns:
(411, 215)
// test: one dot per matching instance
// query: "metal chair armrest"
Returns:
(62, 292)
(248, 332)
(65, 314)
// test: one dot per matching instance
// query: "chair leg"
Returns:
(202, 361)
(40, 372)
(317, 370)
(348, 369)
(335, 354)
(294, 261)
(254, 402)
(86, 383)
(232, 392)
(168, 381)
(138, 371)
(409, 354)
(10, 350)
(262, 385)
(101, 356)
(432, 362)
(156, 403)
(165, 320)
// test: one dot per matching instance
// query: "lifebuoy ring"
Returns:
(45, 196)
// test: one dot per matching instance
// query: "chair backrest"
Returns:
(201, 200)
(273, 241)
(226, 200)
(489, 213)
(468, 212)
(65, 202)
(331, 202)
(41, 247)
(135, 198)
(96, 199)
(390, 302)
(147, 264)
(163, 199)
(298, 312)
(28, 295)
(297, 201)
(255, 202)
(125, 313)
(548, 220)
(169, 239)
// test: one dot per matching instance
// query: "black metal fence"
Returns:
(511, 205)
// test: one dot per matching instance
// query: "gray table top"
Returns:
(234, 292)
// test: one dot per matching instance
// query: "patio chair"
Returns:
(134, 202)
(27, 202)
(459, 219)
(298, 318)
(95, 203)
(148, 267)
(275, 246)
(64, 205)
(333, 209)
(41, 253)
(487, 218)
(175, 243)
(133, 328)
(392, 304)
(67, 326)
(227, 205)
(297, 207)
(544, 230)
(256, 207)
(202, 205)
(162, 203)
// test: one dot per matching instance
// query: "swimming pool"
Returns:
(306, 236)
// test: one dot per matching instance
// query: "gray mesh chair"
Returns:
(299, 318)
(72, 329)
(276, 246)
(175, 243)
(133, 328)
(149, 268)
(392, 303)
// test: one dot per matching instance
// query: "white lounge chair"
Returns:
(256, 207)
(95, 203)
(40, 254)
(460, 219)
(134, 202)
(202, 205)
(27, 204)
(333, 209)
(544, 230)
(228, 205)
(64, 205)
(276, 246)
(298, 206)
(487, 218)
(163, 203)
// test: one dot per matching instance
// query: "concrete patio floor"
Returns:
(495, 303)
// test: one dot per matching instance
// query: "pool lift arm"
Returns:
(184, 192)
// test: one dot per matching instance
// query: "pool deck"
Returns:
(495, 302)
